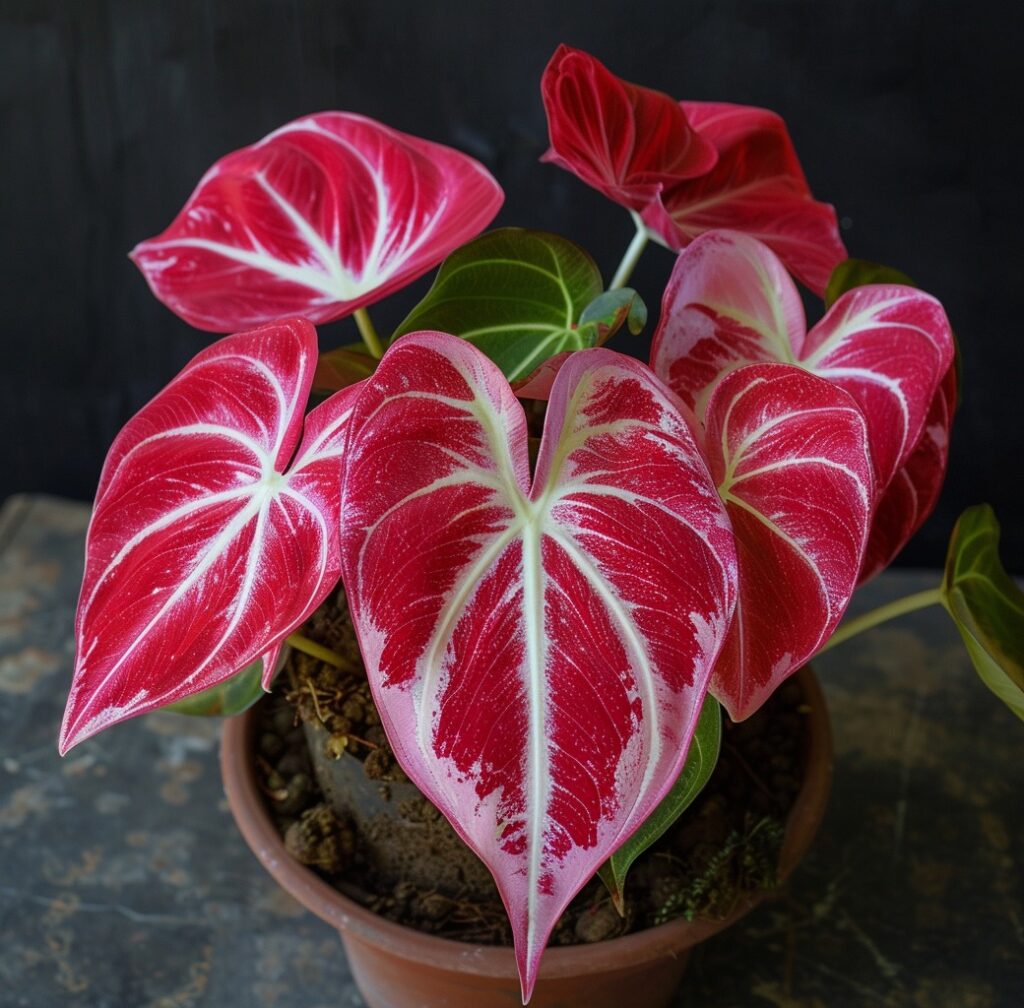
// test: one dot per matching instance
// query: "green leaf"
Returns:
(230, 697)
(852, 273)
(606, 314)
(515, 294)
(986, 605)
(338, 369)
(700, 761)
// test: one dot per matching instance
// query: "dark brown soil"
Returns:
(725, 846)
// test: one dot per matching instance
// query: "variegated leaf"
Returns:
(913, 491)
(790, 455)
(730, 302)
(327, 214)
(205, 547)
(538, 649)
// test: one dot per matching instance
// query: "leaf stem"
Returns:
(902, 606)
(314, 650)
(369, 334)
(633, 253)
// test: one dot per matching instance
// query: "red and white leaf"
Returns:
(538, 650)
(887, 345)
(890, 347)
(790, 455)
(756, 186)
(914, 490)
(626, 141)
(729, 302)
(325, 215)
(203, 553)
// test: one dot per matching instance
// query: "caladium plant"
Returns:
(546, 622)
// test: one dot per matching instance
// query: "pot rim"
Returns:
(318, 896)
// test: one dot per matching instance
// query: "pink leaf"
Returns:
(789, 453)
(729, 302)
(323, 216)
(914, 490)
(538, 649)
(203, 553)
(626, 141)
(758, 187)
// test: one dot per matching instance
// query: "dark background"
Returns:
(906, 115)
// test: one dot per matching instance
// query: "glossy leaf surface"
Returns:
(325, 215)
(914, 489)
(600, 320)
(626, 141)
(789, 452)
(538, 649)
(700, 762)
(515, 294)
(758, 187)
(206, 548)
(730, 302)
(986, 605)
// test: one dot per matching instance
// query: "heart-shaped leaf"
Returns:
(515, 294)
(730, 302)
(700, 762)
(789, 452)
(757, 186)
(626, 141)
(206, 549)
(538, 649)
(986, 605)
(325, 215)
(852, 273)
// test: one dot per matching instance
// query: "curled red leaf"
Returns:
(626, 141)
(756, 186)
(325, 215)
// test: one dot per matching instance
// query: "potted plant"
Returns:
(545, 599)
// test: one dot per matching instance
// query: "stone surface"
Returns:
(124, 883)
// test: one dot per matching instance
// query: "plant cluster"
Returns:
(548, 623)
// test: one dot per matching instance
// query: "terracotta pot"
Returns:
(398, 967)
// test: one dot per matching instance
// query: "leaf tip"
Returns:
(528, 963)
(619, 902)
(71, 730)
